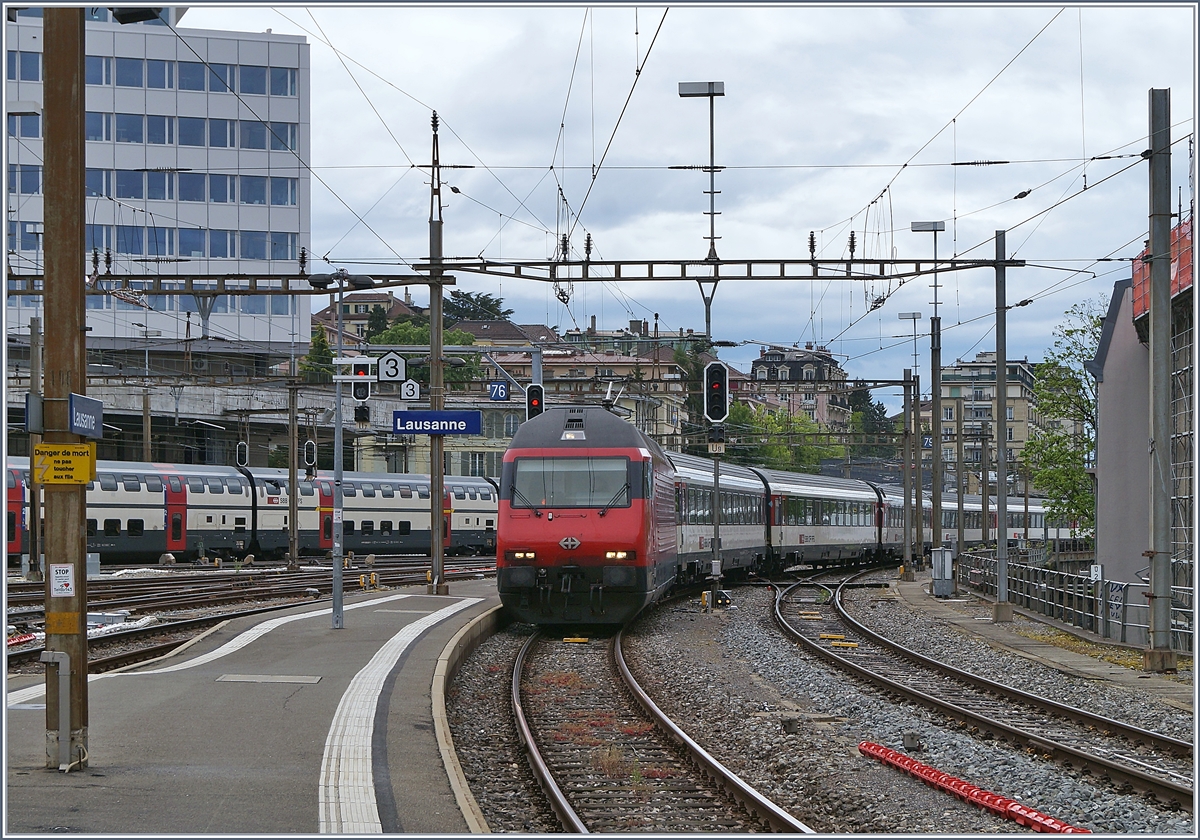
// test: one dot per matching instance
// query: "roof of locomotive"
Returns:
(580, 427)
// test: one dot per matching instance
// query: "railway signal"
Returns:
(535, 401)
(716, 392)
(360, 386)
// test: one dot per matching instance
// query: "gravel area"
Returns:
(731, 680)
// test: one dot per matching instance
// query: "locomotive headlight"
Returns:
(615, 555)
(524, 555)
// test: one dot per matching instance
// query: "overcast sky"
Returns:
(823, 109)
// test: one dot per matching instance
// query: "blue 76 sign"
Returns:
(498, 390)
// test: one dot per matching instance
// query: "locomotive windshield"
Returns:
(571, 482)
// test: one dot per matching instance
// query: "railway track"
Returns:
(1129, 757)
(609, 760)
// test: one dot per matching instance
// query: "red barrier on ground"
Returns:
(1000, 805)
(24, 637)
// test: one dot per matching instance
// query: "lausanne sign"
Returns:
(437, 422)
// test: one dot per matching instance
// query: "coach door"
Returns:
(325, 514)
(16, 512)
(447, 514)
(175, 492)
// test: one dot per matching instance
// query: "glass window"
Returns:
(191, 75)
(253, 244)
(281, 305)
(31, 67)
(216, 486)
(154, 484)
(97, 126)
(221, 189)
(222, 134)
(130, 183)
(283, 81)
(422, 491)
(174, 483)
(130, 240)
(254, 189)
(191, 240)
(25, 178)
(234, 485)
(108, 481)
(160, 129)
(220, 78)
(348, 527)
(160, 74)
(160, 241)
(160, 185)
(129, 128)
(460, 492)
(571, 482)
(254, 135)
(283, 192)
(25, 125)
(191, 131)
(385, 526)
(283, 246)
(306, 488)
(221, 243)
(368, 490)
(195, 484)
(405, 491)
(97, 70)
(129, 72)
(112, 527)
(131, 483)
(91, 527)
(367, 526)
(387, 491)
(252, 79)
(99, 238)
(349, 490)
(283, 136)
(255, 305)
(191, 186)
(136, 527)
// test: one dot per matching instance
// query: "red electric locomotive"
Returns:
(586, 530)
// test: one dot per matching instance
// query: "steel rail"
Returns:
(541, 772)
(1164, 790)
(750, 799)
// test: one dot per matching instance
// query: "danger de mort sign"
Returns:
(64, 463)
(437, 422)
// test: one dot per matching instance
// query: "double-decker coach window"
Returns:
(235, 486)
(175, 484)
(367, 527)
(422, 491)
(12, 524)
(368, 490)
(132, 483)
(387, 491)
(91, 527)
(405, 491)
(112, 527)
(154, 484)
(460, 492)
(306, 488)
(571, 482)
(136, 527)
(349, 490)
(216, 486)
(195, 484)
(107, 481)
(10, 480)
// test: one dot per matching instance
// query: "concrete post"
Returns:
(1002, 610)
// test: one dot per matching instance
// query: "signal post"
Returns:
(716, 409)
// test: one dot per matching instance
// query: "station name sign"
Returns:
(86, 416)
(437, 422)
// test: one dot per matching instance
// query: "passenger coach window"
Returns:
(405, 491)
(154, 484)
(112, 527)
(348, 526)
(107, 481)
(196, 484)
(368, 491)
(368, 527)
(385, 527)
(12, 524)
(460, 492)
(10, 480)
(136, 527)
(175, 484)
(387, 491)
(486, 495)
(132, 483)
(403, 528)
(471, 494)
(91, 527)
(306, 488)
(216, 486)
(349, 490)
(422, 491)
(234, 486)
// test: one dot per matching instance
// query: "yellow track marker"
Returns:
(838, 636)
(844, 644)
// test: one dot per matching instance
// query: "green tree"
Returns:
(1065, 396)
(317, 364)
(377, 322)
(870, 417)
(412, 334)
(474, 306)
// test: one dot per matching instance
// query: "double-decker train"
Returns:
(136, 512)
(596, 521)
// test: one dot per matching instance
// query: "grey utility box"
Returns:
(943, 572)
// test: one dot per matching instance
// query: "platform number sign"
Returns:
(498, 391)
(927, 441)
(392, 368)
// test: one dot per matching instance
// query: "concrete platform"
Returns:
(275, 724)
(953, 611)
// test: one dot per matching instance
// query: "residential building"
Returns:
(357, 309)
(500, 333)
(197, 152)
(638, 339)
(812, 374)
(970, 387)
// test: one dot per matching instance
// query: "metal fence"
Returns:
(1111, 609)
